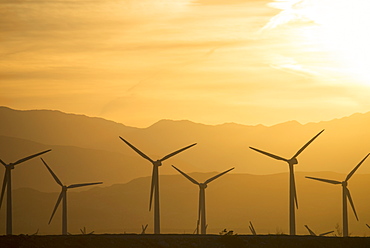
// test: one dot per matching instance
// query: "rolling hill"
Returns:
(232, 201)
(93, 143)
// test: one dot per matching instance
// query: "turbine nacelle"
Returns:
(293, 161)
(10, 166)
(157, 163)
(203, 185)
(344, 183)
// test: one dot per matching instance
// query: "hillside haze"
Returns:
(231, 202)
(86, 149)
(84, 144)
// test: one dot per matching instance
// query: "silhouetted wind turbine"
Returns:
(314, 234)
(345, 195)
(143, 228)
(63, 196)
(202, 197)
(155, 181)
(251, 227)
(292, 188)
(7, 183)
(83, 231)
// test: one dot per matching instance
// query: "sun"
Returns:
(338, 27)
(342, 29)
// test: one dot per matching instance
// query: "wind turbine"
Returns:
(83, 231)
(7, 183)
(63, 196)
(314, 234)
(202, 197)
(251, 227)
(143, 228)
(345, 195)
(155, 181)
(292, 188)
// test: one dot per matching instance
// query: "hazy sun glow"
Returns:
(136, 62)
(339, 27)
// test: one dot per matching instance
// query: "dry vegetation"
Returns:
(177, 240)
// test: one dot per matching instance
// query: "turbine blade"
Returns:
(217, 176)
(5, 184)
(294, 188)
(307, 144)
(326, 233)
(310, 231)
(82, 185)
(152, 188)
(195, 231)
(187, 176)
(269, 154)
(52, 173)
(367, 225)
(29, 157)
(143, 228)
(56, 205)
(354, 170)
(351, 202)
(136, 150)
(325, 180)
(2, 162)
(176, 152)
(251, 227)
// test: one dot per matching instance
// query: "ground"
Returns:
(180, 240)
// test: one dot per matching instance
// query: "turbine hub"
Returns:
(11, 166)
(157, 163)
(344, 183)
(293, 161)
(202, 185)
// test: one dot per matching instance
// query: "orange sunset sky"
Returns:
(209, 61)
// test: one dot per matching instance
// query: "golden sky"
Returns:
(208, 61)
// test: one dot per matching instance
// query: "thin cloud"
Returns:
(225, 2)
(290, 65)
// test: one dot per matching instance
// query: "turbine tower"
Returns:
(292, 188)
(7, 183)
(345, 195)
(202, 198)
(63, 196)
(155, 181)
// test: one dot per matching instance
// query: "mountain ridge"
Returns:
(185, 120)
(340, 147)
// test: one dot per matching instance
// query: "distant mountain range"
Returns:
(232, 201)
(88, 148)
